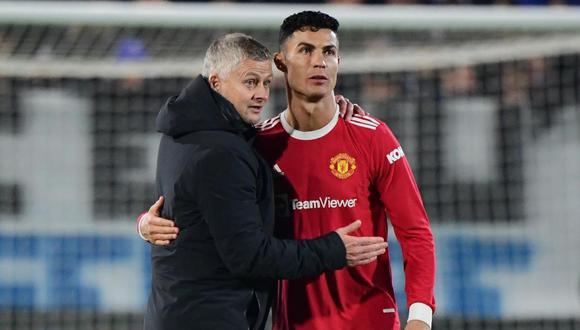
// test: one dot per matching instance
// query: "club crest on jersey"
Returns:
(342, 165)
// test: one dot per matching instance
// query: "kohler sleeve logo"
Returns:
(395, 155)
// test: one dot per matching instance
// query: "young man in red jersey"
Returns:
(330, 171)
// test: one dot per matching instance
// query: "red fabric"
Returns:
(328, 182)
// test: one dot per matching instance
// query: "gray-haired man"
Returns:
(219, 273)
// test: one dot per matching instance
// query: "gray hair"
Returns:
(226, 52)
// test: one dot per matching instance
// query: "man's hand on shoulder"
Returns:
(157, 230)
(417, 325)
(347, 109)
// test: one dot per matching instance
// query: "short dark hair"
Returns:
(316, 20)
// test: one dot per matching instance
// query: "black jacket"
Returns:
(220, 271)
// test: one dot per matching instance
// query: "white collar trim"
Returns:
(308, 135)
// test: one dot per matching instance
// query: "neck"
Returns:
(307, 115)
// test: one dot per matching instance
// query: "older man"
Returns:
(219, 272)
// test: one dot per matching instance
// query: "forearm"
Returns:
(226, 196)
(259, 256)
(420, 266)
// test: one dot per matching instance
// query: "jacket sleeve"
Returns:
(225, 186)
(400, 195)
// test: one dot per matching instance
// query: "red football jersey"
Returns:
(327, 178)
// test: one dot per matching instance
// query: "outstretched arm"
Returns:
(359, 250)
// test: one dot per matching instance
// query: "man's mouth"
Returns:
(318, 78)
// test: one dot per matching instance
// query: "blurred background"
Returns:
(484, 96)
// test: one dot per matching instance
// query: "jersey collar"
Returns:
(308, 135)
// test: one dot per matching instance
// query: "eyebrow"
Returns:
(252, 74)
(312, 46)
(304, 44)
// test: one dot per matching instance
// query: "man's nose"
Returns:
(318, 60)
(262, 92)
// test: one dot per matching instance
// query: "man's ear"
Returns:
(214, 82)
(279, 62)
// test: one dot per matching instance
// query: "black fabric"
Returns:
(220, 271)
